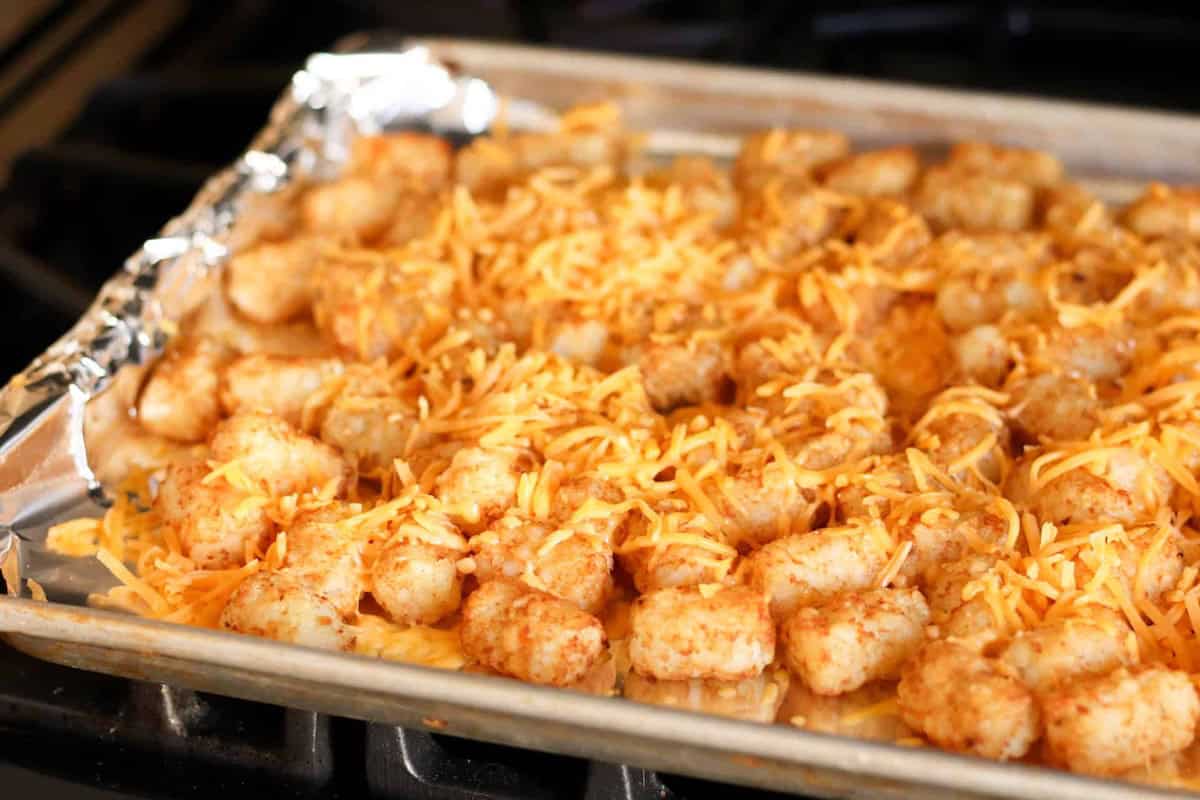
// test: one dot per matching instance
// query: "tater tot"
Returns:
(943, 582)
(945, 536)
(1121, 492)
(354, 204)
(806, 567)
(974, 201)
(1165, 211)
(754, 699)
(270, 282)
(984, 355)
(1056, 653)
(790, 152)
(278, 385)
(326, 558)
(722, 632)
(180, 399)
(1034, 167)
(273, 453)
(277, 605)
(965, 702)
(676, 375)
(529, 634)
(416, 582)
(854, 638)
(367, 307)
(673, 563)
(566, 562)
(480, 484)
(760, 508)
(878, 172)
(421, 159)
(1056, 407)
(893, 232)
(214, 525)
(1110, 723)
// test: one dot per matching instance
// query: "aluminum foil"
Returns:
(46, 475)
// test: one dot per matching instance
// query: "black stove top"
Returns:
(112, 113)
(82, 735)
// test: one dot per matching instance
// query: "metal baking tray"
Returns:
(450, 85)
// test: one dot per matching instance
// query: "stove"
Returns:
(112, 113)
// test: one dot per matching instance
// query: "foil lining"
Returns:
(46, 475)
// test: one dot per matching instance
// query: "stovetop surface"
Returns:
(112, 113)
(73, 734)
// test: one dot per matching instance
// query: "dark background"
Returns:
(112, 112)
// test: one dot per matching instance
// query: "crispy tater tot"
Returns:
(488, 162)
(370, 421)
(806, 567)
(420, 159)
(1110, 723)
(214, 527)
(354, 204)
(965, 702)
(1051, 655)
(583, 341)
(529, 634)
(709, 631)
(877, 172)
(761, 507)
(1034, 167)
(854, 638)
(1120, 491)
(326, 558)
(679, 563)
(676, 375)
(788, 152)
(954, 441)
(415, 577)
(566, 562)
(1165, 211)
(417, 583)
(941, 536)
(755, 699)
(278, 385)
(367, 305)
(974, 201)
(278, 605)
(1055, 406)
(984, 355)
(1095, 352)
(179, 401)
(480, 484)
(270, 282)
(217, 320)
(943, 581)
(214, 523)
(866, 713)
(894, 232)
(271, 452)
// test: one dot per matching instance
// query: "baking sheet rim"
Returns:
(23, 620)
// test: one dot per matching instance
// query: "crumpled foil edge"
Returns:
(336, 96)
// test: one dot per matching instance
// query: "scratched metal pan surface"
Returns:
(61, 415)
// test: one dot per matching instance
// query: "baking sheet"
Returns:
(59, 416)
